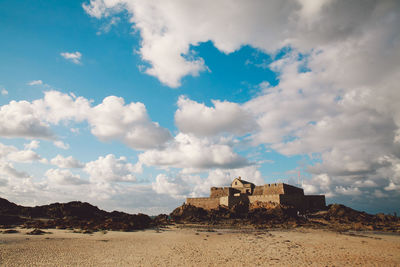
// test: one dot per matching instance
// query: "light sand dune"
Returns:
(191, 247)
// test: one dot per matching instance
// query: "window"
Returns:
(235, 183)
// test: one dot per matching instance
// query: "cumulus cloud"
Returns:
(35, 82)
(175, 187)
(11, 153)
(34, 144)
(224, 117)
(169, 30)
(74, 57)
(112, 119)
(64, 177)
(61, 144)
(66, 162)
(7, 170)
(21, 119)
(4, 91)
(112, 169)
(190, 152)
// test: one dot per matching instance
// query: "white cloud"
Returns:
(11, 153)
(66, 162)
(35, 82)
(23, 156)
(112, 119)
(4, 91)
(7, 170)
(57, 106)
(169, 28)
(190, 152)
(175, 187)
(34, 144)
(112, 169)
(61, 144)
(21, 119)
(74, 57)
(224, 117)
(64, 177)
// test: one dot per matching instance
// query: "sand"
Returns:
(195, 247)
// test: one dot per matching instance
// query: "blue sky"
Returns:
(136, 105)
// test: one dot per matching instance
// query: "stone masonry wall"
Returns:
(289, 189)
(203, 202)
(264, 198)
(258, 190)
(296, 200)
(220, 191)
(273, 189)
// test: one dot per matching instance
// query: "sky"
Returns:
(135, 105)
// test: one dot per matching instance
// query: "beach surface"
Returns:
(175, 246)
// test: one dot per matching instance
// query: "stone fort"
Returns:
(241, 190)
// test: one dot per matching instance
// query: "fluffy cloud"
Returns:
(7, 170)
(34, 144)
(74, 57)
(224, 117)
(64, 177)
(169, 28)
(4, 91)
(68, 162)
(175, 187)
(112, 169)
(189, 152)
(11, 153)
(61, 144)
(112, 119)
(22, 119)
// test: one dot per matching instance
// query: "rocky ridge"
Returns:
(84, 216)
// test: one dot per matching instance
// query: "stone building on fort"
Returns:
(241, 190)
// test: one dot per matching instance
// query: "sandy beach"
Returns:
(197, 247)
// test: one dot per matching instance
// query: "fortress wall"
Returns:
(224, 201)
(315, 202)
(264, 198)
(203, 202)
(289, 189)
(296, 200)
(236, 200)
(273, 189)
(258, 190)
(220, 191)
(232, 200)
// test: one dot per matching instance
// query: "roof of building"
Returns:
(242, 181)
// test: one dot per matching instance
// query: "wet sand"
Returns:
(196, 247)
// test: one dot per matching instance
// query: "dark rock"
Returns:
(36, 232)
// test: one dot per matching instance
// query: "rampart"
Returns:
(204, 202)
(221, 191)
(264, 198)
(273, 189)
(247, 192)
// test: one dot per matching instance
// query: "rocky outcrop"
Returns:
(268, 214)
(74, 214)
